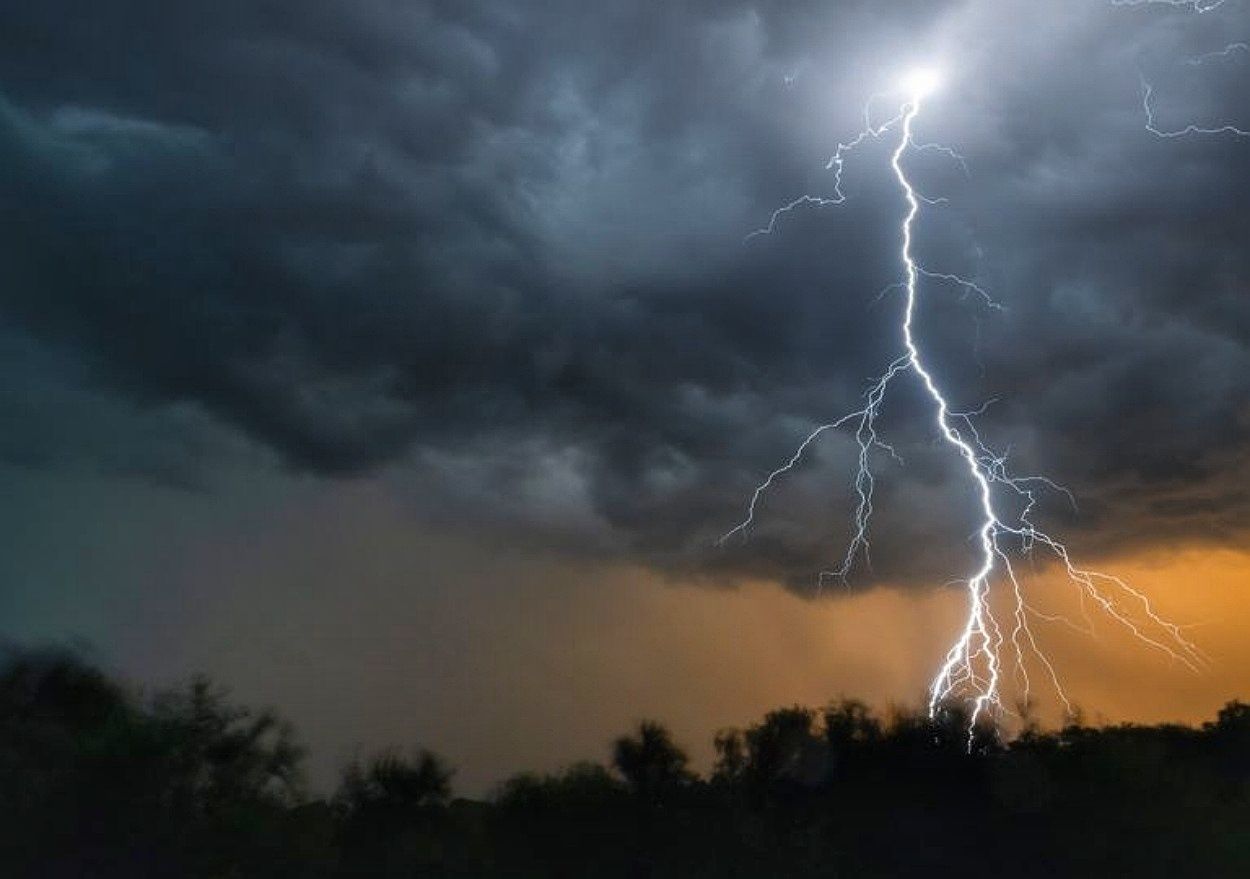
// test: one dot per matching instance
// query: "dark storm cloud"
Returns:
(498, 247)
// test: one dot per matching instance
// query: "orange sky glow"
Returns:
(507, 661)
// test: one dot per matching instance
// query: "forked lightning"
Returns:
(997, 638)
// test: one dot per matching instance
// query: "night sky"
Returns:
(398, 363)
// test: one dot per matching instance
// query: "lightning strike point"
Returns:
(921, 82)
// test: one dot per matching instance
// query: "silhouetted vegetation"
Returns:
(97, 781)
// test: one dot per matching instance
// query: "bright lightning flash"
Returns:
(921, 82)
(993, 643)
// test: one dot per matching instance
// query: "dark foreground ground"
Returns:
(97, 782)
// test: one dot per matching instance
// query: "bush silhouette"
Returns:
(98, 781)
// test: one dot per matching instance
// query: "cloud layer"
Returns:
(495, 251)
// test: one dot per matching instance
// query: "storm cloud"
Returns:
(495, 251)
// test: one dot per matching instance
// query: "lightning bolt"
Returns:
(1147, 91)
(1231, 50)
(835, 164)
(1199, 6)
(1228, 51)
(992, 643)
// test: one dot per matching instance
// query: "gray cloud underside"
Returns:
(497, 248)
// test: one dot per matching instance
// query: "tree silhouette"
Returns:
(97, 781)
(389, 782)
(392, 814)
(651, 764)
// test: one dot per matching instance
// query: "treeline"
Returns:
(97, 782)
